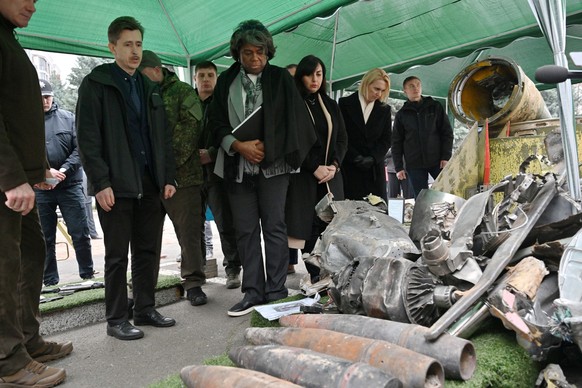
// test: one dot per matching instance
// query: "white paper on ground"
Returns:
(278, 310)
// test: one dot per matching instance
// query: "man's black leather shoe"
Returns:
(124, 331)
(153, 318)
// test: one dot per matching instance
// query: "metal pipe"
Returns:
(413, 369)
(310, 369)
(457, 355)
(471, 321)
(499, 261)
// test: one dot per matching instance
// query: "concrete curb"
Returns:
(62, 320)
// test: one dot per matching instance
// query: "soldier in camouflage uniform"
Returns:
(184, 114)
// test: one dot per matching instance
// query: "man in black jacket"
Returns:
(22, 248)
(65, 166)
(422, 135)
(126, 150)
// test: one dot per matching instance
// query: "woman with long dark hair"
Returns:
(320, 171)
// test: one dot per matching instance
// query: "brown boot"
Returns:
(52, 351)
(34, 374)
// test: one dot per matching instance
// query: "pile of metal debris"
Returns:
(467, 265)
(411, 297)
(517, 259)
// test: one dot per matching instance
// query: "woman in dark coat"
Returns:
(321, 167)
(368, 124)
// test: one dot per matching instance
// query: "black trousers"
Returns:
(214, 195)
(419, 177)
(139, 223)
(258, 204)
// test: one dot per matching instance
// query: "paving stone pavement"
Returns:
(201, 332)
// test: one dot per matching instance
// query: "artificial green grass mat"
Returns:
(81, 298)
(501, 362)
(173, 381)
(222, 360)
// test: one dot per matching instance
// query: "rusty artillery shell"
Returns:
(457, 355)
(213, 376)
(310, 369)
(411, 368)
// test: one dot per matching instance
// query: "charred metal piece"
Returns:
(543, 159)
(529, 319)
(413, 369)
(383, 289)
(383, 279)
(457, 355)
(566, 227)
(526, 189)
(552, 376)
(388, 288)
(569, 316)
(570, 272)
(420, 298)
(432, 209)
(500, 258)
(471, 233)
(567, 321)
(310, 369)
(360, 230)
(435, 254)
(469, 218)
(471, 321)
(348, 283)
(444, 296)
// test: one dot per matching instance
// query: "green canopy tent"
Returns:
(394, 35)
(351, 37)
(181, 32)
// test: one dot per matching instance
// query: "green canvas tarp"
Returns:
(392, 34)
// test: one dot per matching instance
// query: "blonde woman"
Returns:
(367, 117)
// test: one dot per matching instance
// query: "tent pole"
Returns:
(333, 51)
(551, 17)
(188, 73)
